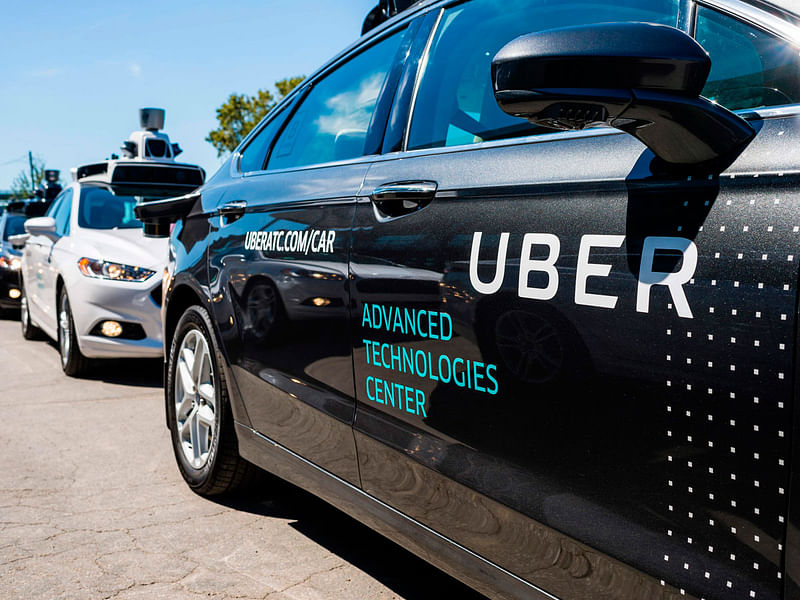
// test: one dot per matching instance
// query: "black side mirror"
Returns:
(641, 78)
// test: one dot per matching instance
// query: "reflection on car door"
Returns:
(278, 253)
(587, 378)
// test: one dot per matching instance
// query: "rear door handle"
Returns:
(235, 208)
(392, 200)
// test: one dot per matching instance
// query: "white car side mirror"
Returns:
(45, 226)
(18, 241)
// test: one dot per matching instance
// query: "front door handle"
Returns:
(392, 200)
(235, 208)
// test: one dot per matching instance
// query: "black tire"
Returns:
(222, 470)
(29, 330)
(73, 362)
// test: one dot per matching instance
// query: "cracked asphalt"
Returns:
(92, 505)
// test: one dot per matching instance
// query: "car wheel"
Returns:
(29, 330)
(72, 361)
(198, 411)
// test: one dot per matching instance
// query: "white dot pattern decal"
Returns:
(728, 387)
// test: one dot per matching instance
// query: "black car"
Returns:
(547, 257)
(11, 223)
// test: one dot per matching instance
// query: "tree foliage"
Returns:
(21, 187)
(241, 112)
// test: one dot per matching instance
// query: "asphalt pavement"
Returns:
(92, 505)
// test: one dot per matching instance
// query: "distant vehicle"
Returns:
(12, 222)
(91, 280)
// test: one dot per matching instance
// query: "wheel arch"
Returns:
(180, 297)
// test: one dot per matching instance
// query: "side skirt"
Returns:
(458, 561)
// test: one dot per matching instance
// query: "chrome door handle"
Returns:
(235, 208)
(403, 197)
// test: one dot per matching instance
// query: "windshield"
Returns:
(100, 209)
(15, 225)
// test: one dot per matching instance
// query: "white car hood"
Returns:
(126, 246)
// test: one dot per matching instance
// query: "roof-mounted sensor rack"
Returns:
(147, 167)
(384, 11)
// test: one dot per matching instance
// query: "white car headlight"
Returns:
(101, 269)
(13, 263)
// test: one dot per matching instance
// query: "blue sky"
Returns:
(74, 74)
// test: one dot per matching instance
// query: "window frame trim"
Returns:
(753, 16)
(305, 88)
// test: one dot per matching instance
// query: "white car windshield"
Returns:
(100, 209)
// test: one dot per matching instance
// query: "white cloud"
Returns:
(135, 69)
(351, 109)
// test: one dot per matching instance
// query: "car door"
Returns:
(279, 251)
(573, 366)
(40, 275)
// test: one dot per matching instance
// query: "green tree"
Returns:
(241, 112)
(22, 187)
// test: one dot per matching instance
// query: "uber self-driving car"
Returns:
(591, 393)
(91, 281)
(12, 223)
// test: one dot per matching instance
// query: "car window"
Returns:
(749, 67)
(63, 212)
(55, 205)
(15, 225)
(254, 155)
(331, 123)
(455, 104)
(100, 209)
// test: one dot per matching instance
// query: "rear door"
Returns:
(278, 255)
(40, 275)
(576, 368)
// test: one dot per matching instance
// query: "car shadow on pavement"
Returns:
(136, 372)
(355, 543)
(139, 372)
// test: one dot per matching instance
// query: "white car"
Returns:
(91, 280)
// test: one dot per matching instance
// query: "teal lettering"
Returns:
(419, 322)
(395, 357)
(446, 359)
(421, 372)
(456, 372)
(432, 326)
(409, 399)
(430, 368)
(365, 320)
(408, 360)
(384, 362)
(446, 317)
(398, 321)
(388, 391)
(490, 377)
(370, 396)
(376, 353)
(367, 343)
(411, 326)
(478, 375)
(421, 403)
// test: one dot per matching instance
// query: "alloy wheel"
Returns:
(64, 329)
(195, 401)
